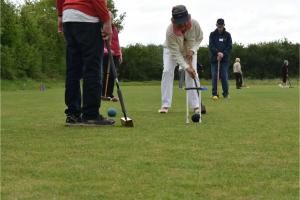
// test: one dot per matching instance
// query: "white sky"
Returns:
(248, 21)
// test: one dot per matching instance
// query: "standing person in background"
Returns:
(108, 77)
(83, 24)
(237, 70)
(200, 70)
(183, 38)
(220, 45)
(285, 73)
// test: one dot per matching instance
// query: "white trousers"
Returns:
(168, 79)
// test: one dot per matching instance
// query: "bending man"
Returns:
(183, 39)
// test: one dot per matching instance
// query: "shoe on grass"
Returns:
(104, 98)
(73, 120)
(114, 99)
(99, 121)
(203, 109)
(196, 110)
(163, 110)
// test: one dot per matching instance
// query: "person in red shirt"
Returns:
(84, 23)
(108, 77)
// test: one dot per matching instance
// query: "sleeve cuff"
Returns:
(106, 18)
(185, 66)
(194, 49)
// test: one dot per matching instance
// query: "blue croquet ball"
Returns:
(111, 112)
(196, 117)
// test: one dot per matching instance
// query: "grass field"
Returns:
(246, 148)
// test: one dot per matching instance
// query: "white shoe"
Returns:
(163, 110)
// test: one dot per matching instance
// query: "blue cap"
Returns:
(180, 14)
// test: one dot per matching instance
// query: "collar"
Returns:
(224, 31)
(181, 32)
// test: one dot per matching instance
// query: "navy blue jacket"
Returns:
(220, 42)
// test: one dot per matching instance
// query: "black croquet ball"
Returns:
(196, 117)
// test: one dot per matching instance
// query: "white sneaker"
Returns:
(163, 110)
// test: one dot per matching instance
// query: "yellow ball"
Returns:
(215, 98)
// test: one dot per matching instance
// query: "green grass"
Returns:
(246, 148)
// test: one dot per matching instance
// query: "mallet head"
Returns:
(127, 122)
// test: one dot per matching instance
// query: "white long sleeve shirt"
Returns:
(237, 68)
(180, 45)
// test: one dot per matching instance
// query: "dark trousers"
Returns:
(223, 76)
(238, 80)
(84, 60)
(111, 78)
(284, 77)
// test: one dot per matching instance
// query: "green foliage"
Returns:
(261, 61)
(10, 34)
(265, 60)
(8, 64)
(117, 20)
(142, 62)
(9, 26)
(30, 44)
(32, 48)
(203, 58)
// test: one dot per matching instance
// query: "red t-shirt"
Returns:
(95, 8)
(114, 45)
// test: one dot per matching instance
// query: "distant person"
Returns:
(183, 39)
(220, 45)
(284, 73)
(237, 70)
(200, 69)
(82, 24)
(108, 90)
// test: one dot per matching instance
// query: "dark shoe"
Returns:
(99, 121)
(105, 98)
(73, 120)
(114, 99)
(203, 109)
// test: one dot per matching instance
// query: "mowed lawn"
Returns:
(246, 148)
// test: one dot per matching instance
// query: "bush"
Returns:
(32, 48)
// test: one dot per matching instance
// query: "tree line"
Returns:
(259, 61)
(32, 48)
